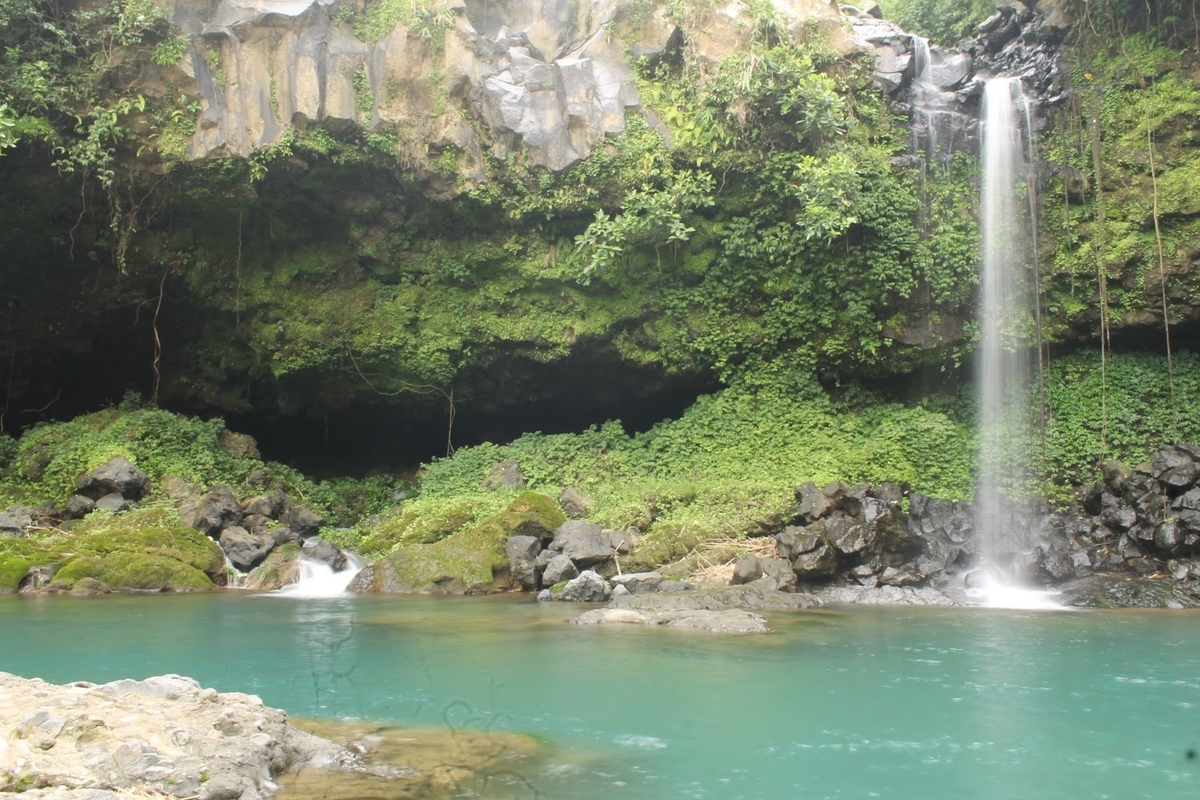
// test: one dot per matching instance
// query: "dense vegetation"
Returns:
(773, 240)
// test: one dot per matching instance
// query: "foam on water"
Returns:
(318, 579)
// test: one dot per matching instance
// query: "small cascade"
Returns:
(318, 579)
(935, 122)
(233, 578)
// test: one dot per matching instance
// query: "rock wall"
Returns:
(543, 80)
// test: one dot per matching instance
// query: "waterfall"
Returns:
(318, 579)
(932, 123)
(1006, 322)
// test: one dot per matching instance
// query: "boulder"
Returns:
(16, 521)
(118, 475)
(746, 570)
(303, 520)
(238, 444)
(78, 507)
(778, 571)
(587, 543)
(244, 550)
(114, 502)
(558, 569)
(472, 560)
(589, 587)
(574, 504)
(211, 512)
(816, 503)
(818, 564)
(324, 551)
(848, 535)
(266, 505)
(522, 553)
(638, 582)
(1115, 475)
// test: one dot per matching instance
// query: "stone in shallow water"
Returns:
(587, 588)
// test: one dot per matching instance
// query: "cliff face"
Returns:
(540, 80)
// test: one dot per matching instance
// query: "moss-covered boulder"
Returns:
(469, 561)
(147, 550)
(281, 568)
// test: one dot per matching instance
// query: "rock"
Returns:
(114, 503)
(817, 564)
(1115, 475)
(281, 568)
(559, 568)
(1119, 518)
(504, 475)
(212, 512)
(746, 570)
(816, 503)
(847, 535)
(244, 550)
(265, 505)
(16, 521)
(256, 523)
(949, 71)
(544, 596)
(620, 591)
(281, 534)
(587, 543)
(118, 475)
(587, 588)
(158, 736)
(238, 444)
(472, 560)
(574, 504)
(522, 552)
(1167, 537)
(638, 582)
(36, 578)
(303, 520)
(324, 551)
(721, 621)
(77, 507)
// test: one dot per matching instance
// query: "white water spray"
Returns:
(318, 579)
(1006, 325)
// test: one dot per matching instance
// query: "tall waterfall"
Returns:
(1005, 314)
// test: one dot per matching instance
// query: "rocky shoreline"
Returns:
(167, 736)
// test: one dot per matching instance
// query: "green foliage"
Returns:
(426, 20)
(944, 21)
(1141, 413)
(170, 51)
(723, 469)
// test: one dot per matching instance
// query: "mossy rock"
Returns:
(470, 561)
(413, 527)
(143, 560)
(281, 568)
(17, 555)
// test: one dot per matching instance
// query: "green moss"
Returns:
(471, 560)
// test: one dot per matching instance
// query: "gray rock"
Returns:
(587, 543)
(818, 564)
(620, 591)
(1116, 475)
(281, 534)
(746, 570)
(114, 503)
(522, 552)
(244, 550)
(118, 475)
(78, 506)
(504, 475)
(212, 512)
(574, 504)
(303, 520)
(321, 550)
(712, 621)
(779, 572)
(587, 588)
(266, 505)
(847, 535)
(638, 582)
(951, 70)
(238, 444)
(16, 521)
(544, 595)
(559, 568)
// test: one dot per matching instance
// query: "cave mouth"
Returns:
(498, 406)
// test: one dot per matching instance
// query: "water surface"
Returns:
(854, 703)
